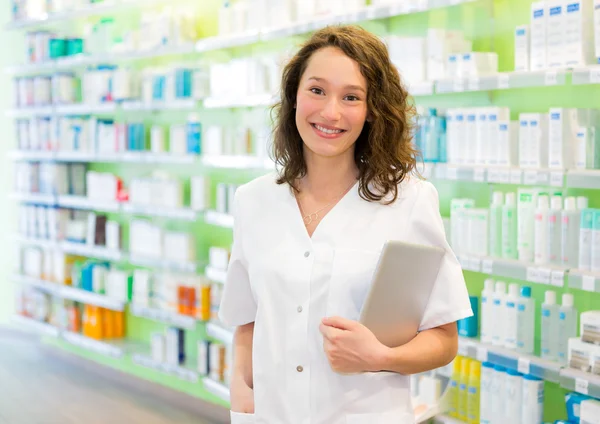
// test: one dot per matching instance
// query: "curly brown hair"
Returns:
(384, 152)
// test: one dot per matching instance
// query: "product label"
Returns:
(520, 31)
(538, 13)
(573, 7)
(581, 386)
(524, 366)
(545, 312)
(555, 10)
(521, 308)
(510, 305)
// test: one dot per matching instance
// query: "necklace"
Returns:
(315, 216)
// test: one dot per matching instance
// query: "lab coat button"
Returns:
(299, 309)
(299, 368)
(306, 254)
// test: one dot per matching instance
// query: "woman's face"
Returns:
(331, 106)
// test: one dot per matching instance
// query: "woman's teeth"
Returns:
(327, 131)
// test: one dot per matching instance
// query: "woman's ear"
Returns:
(369, 118)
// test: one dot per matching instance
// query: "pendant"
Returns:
(309, 219)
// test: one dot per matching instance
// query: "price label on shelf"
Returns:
(551, 78)
(581, 386)
(451, 173)
(588, 283)
(557, 179)
(595, 75)
(544, 275)
(558, 278)
(530, 177)
(504, 176)
(473, 84)
(532, 274)
(479, 174)
(463, 349)
(493, 176)
(459, 85)
(487, 266)
(475, 264)
(503, 81)
(543, 178)
(524, 366)
(482, 354)
(516, 176)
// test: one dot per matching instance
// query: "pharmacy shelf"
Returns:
(583, 179)
(513, 269)
(255, 100)
(525, 364)
(218, 219)
(167, 317)
(96, 346)
(500, 175)
(215, 275)
(33, 156)
(85, 203)
(49, 287)
(97, 252)
(445, 419)
(106, 7)
(178, 104)
(29, 112)
(85, 109)
(581, 382)
(238, 162)
(91, 298)
(216, 388)
(180, 372)
(584, 280)
(35, 326)
(586, 75)
(36, 198)
(164, 264)
(186, 214)
(217, 332)
(34, 241)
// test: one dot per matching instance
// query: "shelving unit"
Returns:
(581, 382)
(180, 372)
(218, 219)
(167, 317)
(215, 275)
(445, 419)
(167, 265)
(97, 346)
(49, 287)
(97, 252)
(216, 331)
(35, 326)
(216, 388)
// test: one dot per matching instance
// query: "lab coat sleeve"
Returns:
(449, 299)
(238, 306)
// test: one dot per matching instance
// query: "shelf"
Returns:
(158, 211)
(586, 75)
(581, 382)
(85, 203)
(85, 109)
(49, 287)
(38, 199)
(513, 269)
(97, 252)
(215, 275)
(38, 327)
(167, 317)
(43, 243)
(423, 88)
(31, 111)
(219, 333)
(238, 162)
(34, 156)
(216, 388)
(177, 104)
(584, 280)
(445, 419)
(97, 346)
(85, 157)
(583, 179)
(525, 364)
(173, 370)
(218, 219)
(91, 298)
(158, 263)
(254, 100)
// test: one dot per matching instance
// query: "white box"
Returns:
(538, 51)
(578, 42)
(580, 354)
(508, 143)
(562, 132)
(218, 257)
(494, 116)
(597, 28)
(460, 137)
(451, 139)
(471, 136)
(589, 324)
(589, 412)
(556, 33)
(522, 43)
(199, 193)
(479, 63)
(179, 247)
(482, 150)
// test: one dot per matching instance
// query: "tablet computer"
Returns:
(400, 290)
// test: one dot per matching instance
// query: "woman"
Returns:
(306, 242)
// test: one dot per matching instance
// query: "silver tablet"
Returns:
(400, 290)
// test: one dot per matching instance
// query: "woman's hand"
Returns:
(351, 347)
(242, 397)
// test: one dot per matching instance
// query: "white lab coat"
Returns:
(286, 282)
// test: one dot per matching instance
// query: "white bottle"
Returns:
(549, 328)
(498, 392)
(567, 326)
(510, 314)
(540, 231)
(495, 237)
(526, 206)
(585, 239)
(486, 394)
(526, 322)
(498, 312)
(509, 227)
(570, 234)
(555, 230)
(532, 408)
(513, 392)
(487, 313)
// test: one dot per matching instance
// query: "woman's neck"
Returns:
(328, 177)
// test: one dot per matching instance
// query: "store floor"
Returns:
(38, 387)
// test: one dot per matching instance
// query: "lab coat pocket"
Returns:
(241, 418)
(381, 418)
(350, 281)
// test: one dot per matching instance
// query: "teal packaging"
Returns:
(194, 135)
(74, 46)
(573, 401)
(57, 48)
(183, 83)
(467, 327)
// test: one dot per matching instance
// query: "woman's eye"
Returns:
(351, 98)
(316, 90)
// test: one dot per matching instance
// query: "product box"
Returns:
(578, 42)
(522, 43)
(590, 327)
(556, 33)
(590, 411)
(580, 354)
(538, 50)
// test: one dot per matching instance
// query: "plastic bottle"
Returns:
(462, 388)
(498, 309)
(513, 394)
(498, 398)
(431, 151)
(570, 218)
(454, 382)
(194, 134)
(567, 326)
(473, 393)
(540, 231)
(555, 230)
(586, 226)
(509, 227)
(487, 317)
(526, 322)
(549, 348)
(532, 408)
(510, 314)
(486, 395)
(495, 237)
(526, 207)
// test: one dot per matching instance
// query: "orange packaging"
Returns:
(94, 323)
(74, 319)
(109, 324)
(191, 301)
(181, 299)
(222, 363)
(86, 320)
(119, 324)
(205, 306)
